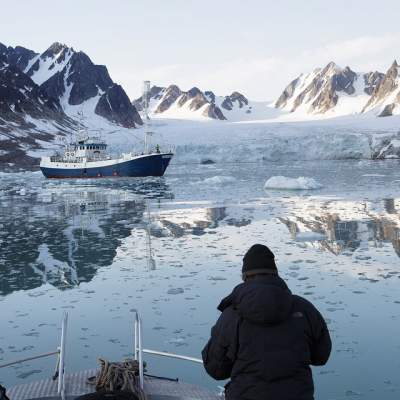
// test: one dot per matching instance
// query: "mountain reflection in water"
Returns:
(63, 235)
(345, 225)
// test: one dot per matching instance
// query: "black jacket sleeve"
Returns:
(321, 344)
(220, 352)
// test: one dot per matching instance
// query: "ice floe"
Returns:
(285, 183)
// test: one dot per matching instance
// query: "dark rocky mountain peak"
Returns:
(18, 57)
(195, 97)
(228, 102)
(170, 95)
(86, 78)
(193, 92)
(343, 80)
(114, 105)
(372, 81)
(383, 89)
(287, 93)
(154, 93)
(331, 67)
(214, 112)
(210, 96)
(55, 49)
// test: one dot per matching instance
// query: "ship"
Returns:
(87, 157)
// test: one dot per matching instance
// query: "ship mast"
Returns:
(147, 132)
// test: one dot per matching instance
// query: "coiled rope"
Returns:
(122, 376)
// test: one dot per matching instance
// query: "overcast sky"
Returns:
(254, 46)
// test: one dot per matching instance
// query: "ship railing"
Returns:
(138, 349)
(60, 352)
(138, 352)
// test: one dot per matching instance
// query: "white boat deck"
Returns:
(76, 385)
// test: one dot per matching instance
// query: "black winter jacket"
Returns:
(265, 340)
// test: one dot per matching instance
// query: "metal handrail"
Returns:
(61, 358)
(172, 355)
(61, 378)
(9, 364)
(138, 349)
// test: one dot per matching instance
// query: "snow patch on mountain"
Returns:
(47, 64)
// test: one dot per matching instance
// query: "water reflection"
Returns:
(339, 226)
(193, 221)
(63, 234)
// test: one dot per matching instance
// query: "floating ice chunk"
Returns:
(284, 183)
(218, 180)
(373, 175)
(175, 291)
(22, 191)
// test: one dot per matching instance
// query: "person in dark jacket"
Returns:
(266, 338)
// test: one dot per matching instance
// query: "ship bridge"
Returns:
(90, 149)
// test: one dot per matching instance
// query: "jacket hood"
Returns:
(263, 300)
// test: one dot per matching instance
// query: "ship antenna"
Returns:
(146, 98)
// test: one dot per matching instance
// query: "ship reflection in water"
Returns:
(345, 226)
(62, 235)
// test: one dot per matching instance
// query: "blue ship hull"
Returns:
(149, 165)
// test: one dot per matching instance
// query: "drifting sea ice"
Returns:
(218, 180)
(284, 183)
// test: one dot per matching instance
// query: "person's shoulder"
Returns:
(229, 317)
(302, 304)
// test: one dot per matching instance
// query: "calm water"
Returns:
(82, 247)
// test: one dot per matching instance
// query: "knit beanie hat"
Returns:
(259, 259)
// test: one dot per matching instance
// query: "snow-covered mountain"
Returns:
(41, 96)
(332, 90)
(385, 99)
(28, 116)
(172, 102)
(73, 79)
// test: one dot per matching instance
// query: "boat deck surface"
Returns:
(76, 385)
